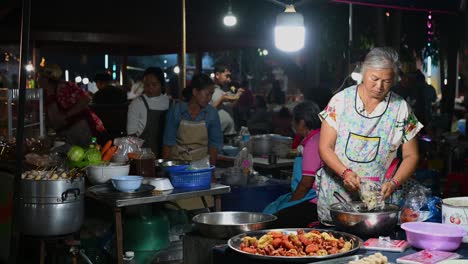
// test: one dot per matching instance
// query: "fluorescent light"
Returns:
(106, 61)
(67, 79)
(429, 66)
(289, 30)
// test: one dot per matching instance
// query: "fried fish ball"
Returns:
(322, 252)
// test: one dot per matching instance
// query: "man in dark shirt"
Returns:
(107, 94)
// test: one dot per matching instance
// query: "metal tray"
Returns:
(234, 243)
(108, 191)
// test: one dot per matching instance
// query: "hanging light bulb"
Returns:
(289, 30)
(230, 19)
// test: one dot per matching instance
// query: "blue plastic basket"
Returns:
(192, 179)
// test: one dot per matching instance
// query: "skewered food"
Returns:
(39, 175)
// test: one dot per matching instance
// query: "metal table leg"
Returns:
(217, 203)
(205, 204)
(119, 234)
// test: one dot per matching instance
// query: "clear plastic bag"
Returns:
(126, 145)
(371, 195)
(415, 200)
(200, 164)
(244, 160)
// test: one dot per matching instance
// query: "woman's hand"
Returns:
(351, 181)
(387, 189)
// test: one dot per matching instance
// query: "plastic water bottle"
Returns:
(245, 139)
(129, 257)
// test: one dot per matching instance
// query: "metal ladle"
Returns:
(345, 203)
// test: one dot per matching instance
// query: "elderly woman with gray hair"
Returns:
(363, 126)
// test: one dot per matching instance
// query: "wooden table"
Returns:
(118, 203)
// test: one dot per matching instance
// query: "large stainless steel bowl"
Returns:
(365, 223)
(228, 224)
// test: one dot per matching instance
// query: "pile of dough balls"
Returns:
(377, 258)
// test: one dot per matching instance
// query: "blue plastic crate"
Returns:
(192, 179)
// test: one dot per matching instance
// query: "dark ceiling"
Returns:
(147, 27)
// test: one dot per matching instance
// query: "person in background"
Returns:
(363, 126)
(299, 207)
(276, 95)
(261, 120)
(221, 99)
(146, 114)
(107, 93)
(193, 129)
(242, 109)
(67, 108)
(282, 122)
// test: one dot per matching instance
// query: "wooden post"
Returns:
(182, 66)
(24, 50)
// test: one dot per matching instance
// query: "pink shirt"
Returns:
(311, 161)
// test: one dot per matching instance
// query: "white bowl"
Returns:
(160, 184)
(99, 174)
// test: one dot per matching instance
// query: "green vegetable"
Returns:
(76, 153)
(93, 155)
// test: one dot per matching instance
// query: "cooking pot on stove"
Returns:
(51, 207)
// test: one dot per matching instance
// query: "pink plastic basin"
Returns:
(433, 236)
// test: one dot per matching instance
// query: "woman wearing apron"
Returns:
(193, 129)
(299, 207)
(146, 114)
(363, 127)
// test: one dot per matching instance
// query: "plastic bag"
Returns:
(200, 164)
(126, 145)
(370, 194)
(415, 200)
(244, 160)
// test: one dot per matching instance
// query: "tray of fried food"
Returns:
(297, 245)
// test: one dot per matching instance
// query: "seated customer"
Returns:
(299, 207)
(146, 114)
(107, 93)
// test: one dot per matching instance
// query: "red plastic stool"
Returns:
(459, 179)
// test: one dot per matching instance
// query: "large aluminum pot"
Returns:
(228, 224)
(261, 145)
(51, 207)
(455, 212)
(281, 145)
(365, 223)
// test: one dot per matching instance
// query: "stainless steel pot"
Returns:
(228, 224)
(51, 207)
(261, 145)
(281, 145)
(364, 223)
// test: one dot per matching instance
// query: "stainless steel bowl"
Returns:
(365, 223)
(228, 224)
(161, 164)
